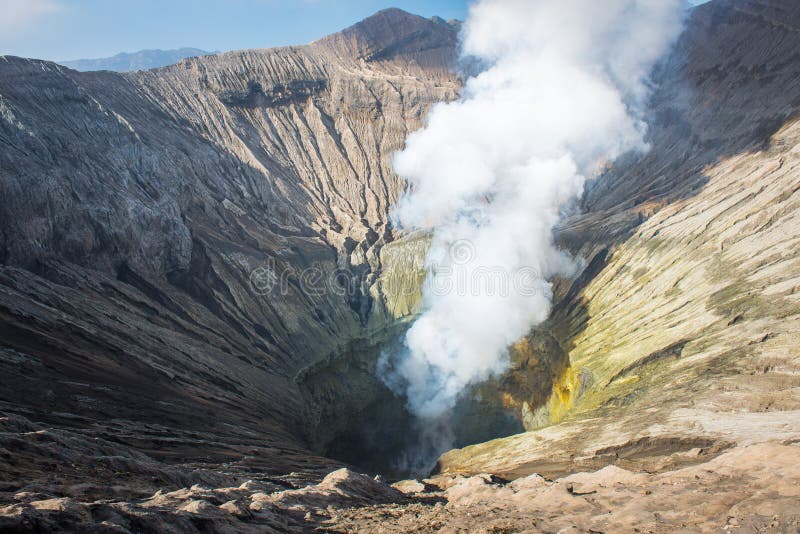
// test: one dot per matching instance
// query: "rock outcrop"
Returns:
(736, 491)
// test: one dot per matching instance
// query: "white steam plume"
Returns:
(562, 94)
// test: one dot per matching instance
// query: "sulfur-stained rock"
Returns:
(686, 314)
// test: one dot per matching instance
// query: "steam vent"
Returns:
(224, 303)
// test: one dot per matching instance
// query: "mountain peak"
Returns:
(392, 33)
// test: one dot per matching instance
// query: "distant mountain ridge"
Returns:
(141, 60)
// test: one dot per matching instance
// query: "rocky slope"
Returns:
(163, 237)
(145, 215)
(736, 491)
(682, 331)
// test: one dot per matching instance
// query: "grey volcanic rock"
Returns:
(141, 60)
(141, 212)
(730, 84)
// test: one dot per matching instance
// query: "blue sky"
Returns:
(73, 29)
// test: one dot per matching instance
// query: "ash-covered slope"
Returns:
(143, 215)
(681, 334)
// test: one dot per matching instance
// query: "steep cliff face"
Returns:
(682, 331)
(171, 238)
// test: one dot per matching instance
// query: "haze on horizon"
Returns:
(63, 30)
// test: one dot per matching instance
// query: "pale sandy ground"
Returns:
(746, 489)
